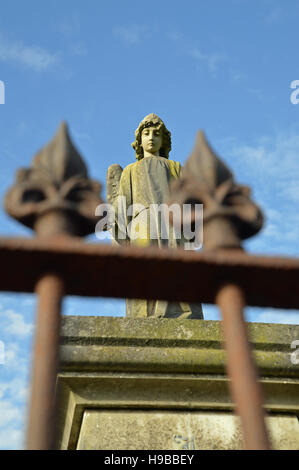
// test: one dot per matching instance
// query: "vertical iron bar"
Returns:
(245, 388)
(41, 423)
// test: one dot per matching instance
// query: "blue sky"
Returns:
(224, 67)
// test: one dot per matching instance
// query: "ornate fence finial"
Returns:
(229, 214)
(55, 195)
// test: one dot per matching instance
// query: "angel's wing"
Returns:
(113, 178)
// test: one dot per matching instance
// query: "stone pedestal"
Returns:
(160, 384)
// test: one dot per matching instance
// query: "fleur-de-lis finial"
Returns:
(55, 195)
(229, 215)
(59, 158)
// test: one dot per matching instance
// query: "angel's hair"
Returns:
(152, 121)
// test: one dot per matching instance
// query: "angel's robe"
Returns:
(143, 186)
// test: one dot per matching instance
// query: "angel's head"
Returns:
(161, 138)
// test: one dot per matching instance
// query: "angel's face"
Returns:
(151, 140)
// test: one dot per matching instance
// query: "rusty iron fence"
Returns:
(59, 205)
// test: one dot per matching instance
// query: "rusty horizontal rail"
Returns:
(91, 269)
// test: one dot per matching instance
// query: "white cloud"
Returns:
(9, 413)
(15, 324)
(15, 388)
(211, 60)
(3, 389)
(33, 57)
(175, 36)
(237, 76)
(275, 15)
(31, 301)
(11, 426)
(81, 135)
(16, 334)
(271, 167)
(17, 356)
(272, 315)
(11, 438)
(130, 35)
(78, 49)
(12, 352)
(70, 26)
(14, 393)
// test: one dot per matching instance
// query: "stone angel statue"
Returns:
(133, 192)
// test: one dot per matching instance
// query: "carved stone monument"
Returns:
(149, 383)
(141, 187)
(137, 383)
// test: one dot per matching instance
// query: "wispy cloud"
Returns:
(15, 388)
(15, 324)
(12, 420)
(270, 166)
(275, 15)
(211, 60)
(78, 49)
(32, 57)
(16, 334)
(11, 438)
(71, 29)
(273, 315)
(81, 135)
(130, 35)
(69, 26)
(8, 412)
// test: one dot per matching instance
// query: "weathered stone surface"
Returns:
(172, 430)
(107, 343)
(124, 369)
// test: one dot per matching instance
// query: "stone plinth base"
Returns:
(161, 384)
